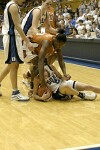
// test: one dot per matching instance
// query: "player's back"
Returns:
(39, 38)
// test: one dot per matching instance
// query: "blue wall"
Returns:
(82, 49)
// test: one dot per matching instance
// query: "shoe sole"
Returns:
(25, 100)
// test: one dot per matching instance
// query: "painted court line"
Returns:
(90, 147)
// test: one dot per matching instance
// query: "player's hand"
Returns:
(46, 96)
(30, 38)
(30, 46)
(67, 77)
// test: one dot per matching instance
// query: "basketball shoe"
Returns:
(27, 84)
(26, 79)
(88, 96)
(16, 95)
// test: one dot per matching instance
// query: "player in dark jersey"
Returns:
(50, 47)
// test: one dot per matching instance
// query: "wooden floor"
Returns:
(50, 125)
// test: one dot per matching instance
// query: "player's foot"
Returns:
(89, 96)
(16, 95)
(27, 84)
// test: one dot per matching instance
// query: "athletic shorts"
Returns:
(13, 48)
(60, 96)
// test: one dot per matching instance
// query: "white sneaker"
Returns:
(90, 96)
(19, 97)
(27, 84)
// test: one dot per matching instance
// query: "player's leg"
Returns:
(68, 87)
(16, 58)
(16, 95)
(3, 74)
(13, 74)
(33, 70)
(86, 87)
(32, 60)
(26, 78)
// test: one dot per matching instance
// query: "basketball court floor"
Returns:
(53, 125)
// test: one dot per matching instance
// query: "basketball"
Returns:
(41, 91)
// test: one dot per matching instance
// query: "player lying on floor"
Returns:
(62, 89)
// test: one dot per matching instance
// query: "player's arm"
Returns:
(14, 13)
(58, 74)
(44, 97)
(36, 85)
(62, 64)
(41, 58)
(35, 21)
(48, 26)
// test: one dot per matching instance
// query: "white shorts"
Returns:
(70, 83)
(29, 54)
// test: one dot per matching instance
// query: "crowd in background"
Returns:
(1, 23)
(84, 22)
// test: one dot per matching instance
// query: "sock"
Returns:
(31, 85)
(14, 92)
(81, 95)
(28, 74)
(15, 89)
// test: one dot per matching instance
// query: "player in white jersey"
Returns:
(35, 18)
(12, 41)
(31, 23)
(62, 89)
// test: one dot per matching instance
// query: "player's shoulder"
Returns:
(37, 9)
(11, 3)
(13, 6)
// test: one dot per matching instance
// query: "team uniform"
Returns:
(27, 28)
(11, 39)
(38, 39)
(27, 21)
(53, 82)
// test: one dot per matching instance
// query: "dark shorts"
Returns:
(60, 96)
(12, 47)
